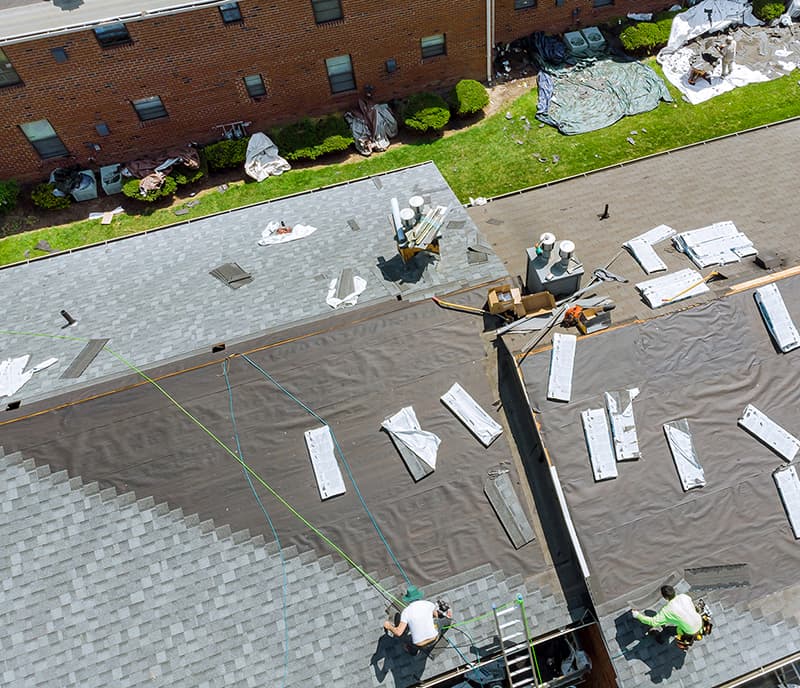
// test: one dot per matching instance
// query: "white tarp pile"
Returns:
(278, 233)
(717, 244)
(13, 374)
(372, 126)
(762, 53)
(262, 159)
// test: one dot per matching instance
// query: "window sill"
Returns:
(18, 84)
(116, 46)
(151, 122)
(331, 22)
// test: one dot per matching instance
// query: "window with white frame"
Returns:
(44, 139)
(149, 108)
(230, 12)
(8, 75)
(254, 84)
(109, 35)
(433, 45)
(602, 3)
(340, 73)
(524, 4)
(326, 10)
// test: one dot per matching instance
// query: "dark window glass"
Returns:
(326, 10)
(102, 129)
(340, 73)
(523, 4)
(110, 35)
(44, 139)
(433, 45)
(255, 86)
(59, 55)
(8, 75)
(149, 108)
(603, 3)
(230, 12)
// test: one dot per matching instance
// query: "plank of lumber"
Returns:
(766, 279)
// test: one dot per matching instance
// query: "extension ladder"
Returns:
(515, 646)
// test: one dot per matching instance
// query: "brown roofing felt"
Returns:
(354, 370)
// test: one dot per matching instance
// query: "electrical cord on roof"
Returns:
(341, 456)
(285, 584)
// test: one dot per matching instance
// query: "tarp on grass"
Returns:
(595, 94)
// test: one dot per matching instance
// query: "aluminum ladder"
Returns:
(515, 646)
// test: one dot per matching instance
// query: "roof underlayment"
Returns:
(641, 529)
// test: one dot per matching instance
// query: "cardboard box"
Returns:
(539, 303)
(506, 298)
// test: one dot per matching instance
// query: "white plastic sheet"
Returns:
(13, 373)
(262, 159)
(404, 428)
(359, 285)
(274, 233)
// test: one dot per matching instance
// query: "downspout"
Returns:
(489, 39)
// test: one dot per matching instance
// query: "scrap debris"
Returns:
(13, 373)
(279, 233)
(417, 447)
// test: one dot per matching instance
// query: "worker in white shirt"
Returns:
(680, 612)
(419, 619)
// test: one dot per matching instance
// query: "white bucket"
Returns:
(408, 218)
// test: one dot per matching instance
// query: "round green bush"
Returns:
(226, 154)
(426, 112)
(9, 194)
(768, 10)
(642, 37)
(42, 197)
(131, 190)
(468, 97)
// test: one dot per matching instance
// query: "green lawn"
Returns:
(493, 157)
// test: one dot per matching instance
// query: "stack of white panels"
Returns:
(672, 287)
(777, 318)
(717, 244)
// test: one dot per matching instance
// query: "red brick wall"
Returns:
(195, 63)
(511, 24)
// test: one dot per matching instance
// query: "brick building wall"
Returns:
(196, 63)
(558, 16)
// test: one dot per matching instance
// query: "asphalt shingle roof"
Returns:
(100, 589)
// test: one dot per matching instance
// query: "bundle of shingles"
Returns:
(717, 244)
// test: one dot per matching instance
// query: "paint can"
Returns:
(416, 203)
(407, 218)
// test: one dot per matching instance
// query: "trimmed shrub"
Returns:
(131, 190)
(646, 37)
(42, 197)
(9, 194)
(768, 10)
(309, 139)
(425, 112)
(185, 175)
(642, 38)
(468, 97)
(226, 154)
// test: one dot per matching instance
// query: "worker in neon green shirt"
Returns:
(679, 611)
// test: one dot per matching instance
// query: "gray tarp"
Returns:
(262, 159)
(594, 95)
(704, 364)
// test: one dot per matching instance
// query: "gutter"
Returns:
(489, 39)
(128, 17)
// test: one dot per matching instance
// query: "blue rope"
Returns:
(271, 526)
(341, 456)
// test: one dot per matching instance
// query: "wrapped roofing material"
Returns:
(262, 159)
(372, 126)
(163, 162)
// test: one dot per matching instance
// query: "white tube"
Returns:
(398, 224)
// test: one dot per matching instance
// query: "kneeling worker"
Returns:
(679, 611)
(418, 618)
